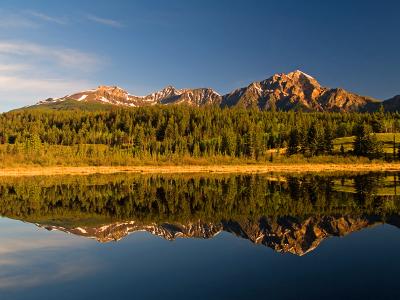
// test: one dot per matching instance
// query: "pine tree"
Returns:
(294, 142)
(366, 144)
(228, 142)
(342, 149)
(313, 140)
(138, 139)
(328, 140)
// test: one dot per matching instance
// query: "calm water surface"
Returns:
(200, 237)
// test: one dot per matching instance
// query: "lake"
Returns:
(200, 236)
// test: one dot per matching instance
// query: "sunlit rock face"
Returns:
(287, 234)
(292, 91)
(295, 91)
(115, 96)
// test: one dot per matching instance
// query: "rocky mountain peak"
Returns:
(111, 90)
(108, 88)
(299, 74)
(296, 78)
(294, 91)
(169, 88)
(291, 91)
(283, 234)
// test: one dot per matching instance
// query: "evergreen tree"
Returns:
(342, 149)
(328, 140)
(228, 142)
(138, 139)
(294, 142)
(314, 139)
(365, 143)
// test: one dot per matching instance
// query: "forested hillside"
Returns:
(154, 133)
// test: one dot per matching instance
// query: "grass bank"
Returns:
(180, 169)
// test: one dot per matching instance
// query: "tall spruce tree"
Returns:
(365, 143)
(294, 142)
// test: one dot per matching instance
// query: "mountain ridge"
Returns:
(292, 91)
(283, 234)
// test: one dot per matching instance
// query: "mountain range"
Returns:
(292, 91)
(283, 234)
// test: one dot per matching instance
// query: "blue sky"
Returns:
(52, 48)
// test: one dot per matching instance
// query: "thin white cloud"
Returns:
(9, 21)
(47, 18)
(56, 87)
(104, 21)
(62, 56)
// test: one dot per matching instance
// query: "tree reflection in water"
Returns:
(289, 213)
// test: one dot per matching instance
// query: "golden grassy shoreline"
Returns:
(180, 169)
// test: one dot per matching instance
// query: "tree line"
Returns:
(102, 198)
(196, 132)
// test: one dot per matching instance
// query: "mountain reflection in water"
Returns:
(286, 213)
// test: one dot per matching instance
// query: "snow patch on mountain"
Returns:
(83, 97)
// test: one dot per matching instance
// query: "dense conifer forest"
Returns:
(123, 136)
